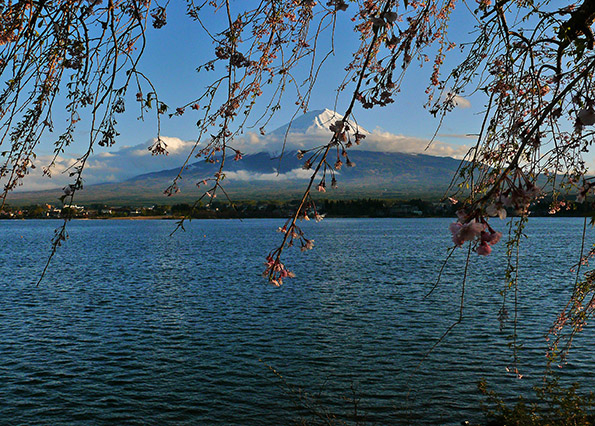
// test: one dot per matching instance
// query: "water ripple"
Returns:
(132, 326)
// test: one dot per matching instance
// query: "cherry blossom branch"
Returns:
(275, 270)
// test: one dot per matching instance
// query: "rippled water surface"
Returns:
(132, 326)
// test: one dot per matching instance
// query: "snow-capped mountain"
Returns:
(263, 171)
(315, 123)
(304, 132)
(260, 176)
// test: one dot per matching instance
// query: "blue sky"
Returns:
(174, 52)
(171, 63)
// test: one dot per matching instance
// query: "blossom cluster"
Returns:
(276, 271)
(293, 232)
(474, 230)
(518, 197)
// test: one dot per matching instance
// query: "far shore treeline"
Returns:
(269, 209)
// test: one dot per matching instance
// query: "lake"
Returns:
(132, 326)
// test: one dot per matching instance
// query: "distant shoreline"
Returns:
(176, 218)
(127, 218)
(359, 208)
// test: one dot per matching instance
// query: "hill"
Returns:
(260, 176)
(267, 175)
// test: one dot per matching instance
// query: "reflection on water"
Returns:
(131, 326)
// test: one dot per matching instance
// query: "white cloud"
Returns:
(176, 145)
(457, 100)
(461, 102)
(105, 154)
(383, 141)
(37, 181)
(275, 143)
(458, 135)
(140, 152)
(378, 140)
(130, 161)
(244, 175)
(305, 136)
(112, 166)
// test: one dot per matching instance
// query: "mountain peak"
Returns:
(313, 122)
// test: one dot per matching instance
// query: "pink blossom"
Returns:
(496, 209)
(465, 232)
(496, 236)
(490, 238)
(270, 264)
(307, 244)
(484, 249)
(284, 273)
(456, 238)
(471, 230)
(582, 193)
(455, 227)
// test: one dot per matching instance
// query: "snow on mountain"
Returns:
(312, 129)
(377, 175)
(314, 122)
(304, 132)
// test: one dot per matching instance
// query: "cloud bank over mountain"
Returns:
(312, 129)
(246, 176)
(115, 166)
(130, 161)
(305, 132)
